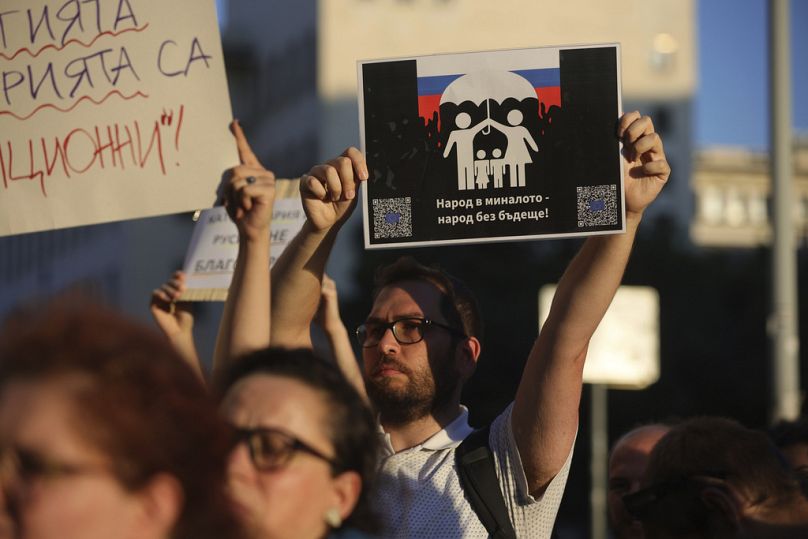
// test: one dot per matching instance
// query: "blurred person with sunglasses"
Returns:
(106, 433)
(307, 445)
(711, 477)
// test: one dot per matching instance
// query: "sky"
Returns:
(731, 102)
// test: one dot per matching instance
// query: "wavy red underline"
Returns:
(71, 41)
(74, 105)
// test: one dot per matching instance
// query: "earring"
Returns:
(332, 518)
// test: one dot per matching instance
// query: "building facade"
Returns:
(732, 187)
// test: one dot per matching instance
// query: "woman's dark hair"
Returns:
(351, 428)
(134, 399)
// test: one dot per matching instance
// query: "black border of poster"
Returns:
(578, 157)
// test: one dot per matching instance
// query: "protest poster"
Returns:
(110, 110)
(212, 252)
(491, 146)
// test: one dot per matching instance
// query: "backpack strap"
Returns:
(478, 477)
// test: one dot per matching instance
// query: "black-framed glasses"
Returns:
(272, 449)
(408, 330)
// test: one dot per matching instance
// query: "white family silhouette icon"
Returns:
(476, 168)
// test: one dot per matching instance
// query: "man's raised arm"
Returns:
(328, 193)
(545, 413)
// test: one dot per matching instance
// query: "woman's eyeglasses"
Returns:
(272, 449)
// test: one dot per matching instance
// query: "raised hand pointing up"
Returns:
(250, 190)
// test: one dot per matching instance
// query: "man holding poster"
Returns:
(420, 344)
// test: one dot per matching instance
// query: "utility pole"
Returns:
(782, 323)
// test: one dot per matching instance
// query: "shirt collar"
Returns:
(450, 436)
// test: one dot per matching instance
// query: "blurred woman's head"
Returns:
(105, 432)
(309, 447)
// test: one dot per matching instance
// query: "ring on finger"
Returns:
(250, 180)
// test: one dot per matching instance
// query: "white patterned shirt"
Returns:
(419, 493)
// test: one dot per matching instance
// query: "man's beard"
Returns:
(424, 392)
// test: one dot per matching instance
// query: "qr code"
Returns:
(597, 205)
(392, 218)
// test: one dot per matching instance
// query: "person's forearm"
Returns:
(340, 341)
(587, 288)
(245, 324)
(545, 414)
(297, 276)
(184, 344)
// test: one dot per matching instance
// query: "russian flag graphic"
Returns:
(545, 81)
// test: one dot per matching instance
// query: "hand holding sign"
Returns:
(646, 169)
(328, 191)
(250, 192)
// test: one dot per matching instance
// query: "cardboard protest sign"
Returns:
(491, 146)
(212, 253)
(110, 110)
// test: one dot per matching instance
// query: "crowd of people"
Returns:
(109, 429)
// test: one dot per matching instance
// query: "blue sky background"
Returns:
(731, 102)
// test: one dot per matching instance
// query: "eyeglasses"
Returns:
(408, 330)
(272, 449)
(22, 464)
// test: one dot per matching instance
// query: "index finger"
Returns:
(245, 153)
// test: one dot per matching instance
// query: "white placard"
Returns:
(213, 250)
(624, 351)
(109, 110)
